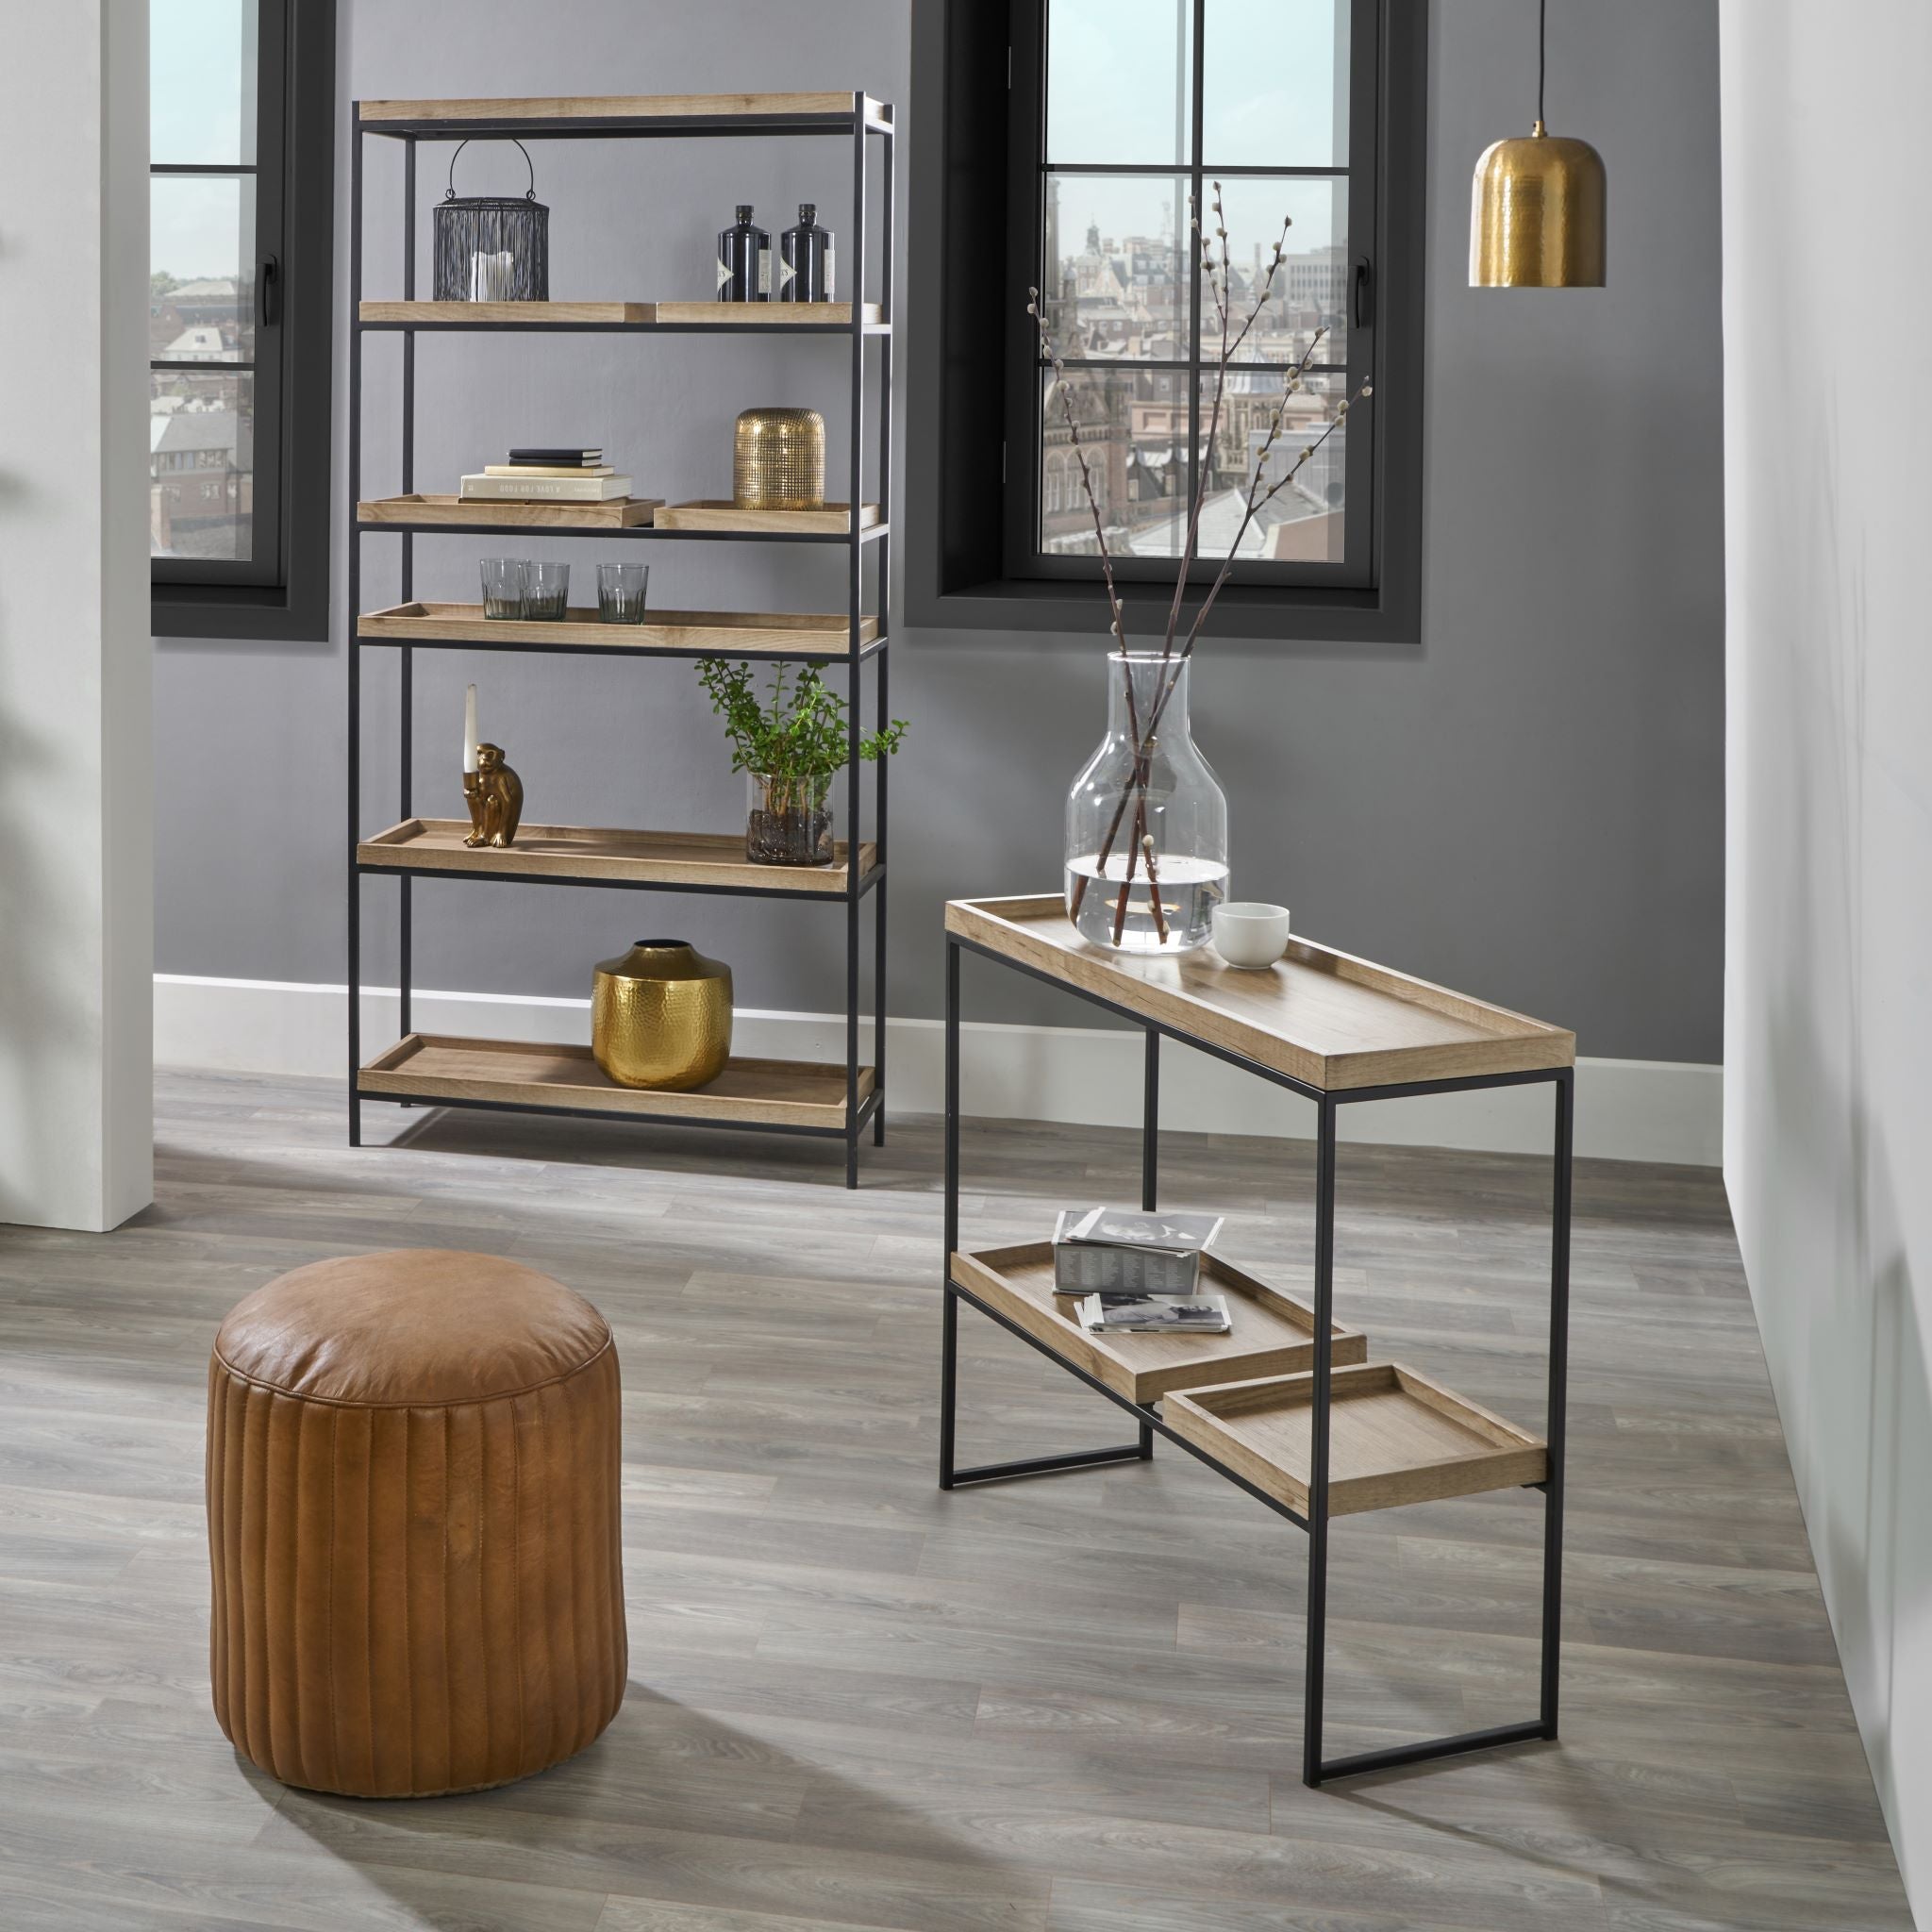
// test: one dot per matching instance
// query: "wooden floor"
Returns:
(1073, 1704)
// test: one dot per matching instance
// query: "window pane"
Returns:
(1275, 92)
(1134, 431)
(1311, 288)
(1114, 272)
(1304, 520)
(1120, 82)
(201, 464)
(201, 80)
(201, 255)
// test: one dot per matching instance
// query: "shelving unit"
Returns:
(1287, 1406)
(837, 1101)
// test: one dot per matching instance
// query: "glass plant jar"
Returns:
(789, 819)
(1146, 819)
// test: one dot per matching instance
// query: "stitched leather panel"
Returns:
(410, 1600)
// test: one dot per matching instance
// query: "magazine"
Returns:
(1124, 1251)
(1155, 1314)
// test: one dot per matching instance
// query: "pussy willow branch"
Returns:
(1222, 287)
(1119, 622)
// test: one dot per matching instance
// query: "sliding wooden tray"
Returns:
(1318, 1016)
(1273, 1333)
(621, 513)
(1393, 1437)
(591, 853)
(835, 520)
(801, 634)
(424, 1066)
(619, 314)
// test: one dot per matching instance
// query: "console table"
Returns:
(1289, 1405)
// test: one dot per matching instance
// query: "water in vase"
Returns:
(1190, 888)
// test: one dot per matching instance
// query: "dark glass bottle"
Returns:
(744, 261)
(807, 260)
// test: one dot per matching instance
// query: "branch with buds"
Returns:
(1217, 268)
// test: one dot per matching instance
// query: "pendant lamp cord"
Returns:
(1542, 54)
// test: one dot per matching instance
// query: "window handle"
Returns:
(267, 291)
(1364, 292)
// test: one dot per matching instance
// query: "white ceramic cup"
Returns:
(1247, 932)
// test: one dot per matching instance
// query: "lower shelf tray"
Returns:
(1273, 1333)
(1393, 1437)
(767, 1093)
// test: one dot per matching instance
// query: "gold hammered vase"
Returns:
(661, 1016)
(781, 460)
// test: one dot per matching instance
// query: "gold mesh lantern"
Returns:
(781, 460)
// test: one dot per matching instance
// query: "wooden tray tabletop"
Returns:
(1322, 1017)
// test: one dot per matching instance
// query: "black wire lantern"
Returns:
(490, 248)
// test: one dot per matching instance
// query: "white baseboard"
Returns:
(1661, 1110)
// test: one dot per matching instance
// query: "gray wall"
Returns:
(1528, 804)
(1827, 1110)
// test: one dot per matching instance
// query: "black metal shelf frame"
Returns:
(1316, 1770)
(865, 120)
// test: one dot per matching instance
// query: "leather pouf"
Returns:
(412, 1501)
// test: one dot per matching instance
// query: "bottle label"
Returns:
(831, 277)
(764, 271)
(786, 275)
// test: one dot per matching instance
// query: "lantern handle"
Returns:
(530, 194)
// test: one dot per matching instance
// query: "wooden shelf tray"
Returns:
(619, 513)
(623, 107)
(619, 314)
(1393, 1437)
(835, 520)
(800, 633)
(1273, 1333)
(423, 1066)
(1318, 1016)
(585, 852)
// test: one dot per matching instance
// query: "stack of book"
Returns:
(1137, 1274)
(547, 476)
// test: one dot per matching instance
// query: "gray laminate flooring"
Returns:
(1073, 1704)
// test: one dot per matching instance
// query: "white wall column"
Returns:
(77, 762)
(1829, 1028)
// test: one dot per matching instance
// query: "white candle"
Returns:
(470, 732)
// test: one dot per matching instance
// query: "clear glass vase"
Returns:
(1146, 818)
(787, 819)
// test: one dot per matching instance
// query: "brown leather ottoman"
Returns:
(413, 1503)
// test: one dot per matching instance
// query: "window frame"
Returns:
(973, 501)
(282, 593)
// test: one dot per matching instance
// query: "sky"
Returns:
(1120, 87)
(200, 63)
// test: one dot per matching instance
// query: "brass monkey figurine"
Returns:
(496, 796)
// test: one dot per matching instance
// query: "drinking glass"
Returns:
(503, 587)
(546, 592)
(621, 588)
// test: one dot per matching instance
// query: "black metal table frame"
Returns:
(1315, 1768)
(859, 125)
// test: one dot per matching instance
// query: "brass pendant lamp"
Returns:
(1536, 218)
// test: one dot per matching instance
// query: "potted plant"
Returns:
(790, 744)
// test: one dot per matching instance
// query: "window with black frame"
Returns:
(240, 273)
(1246, 113)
